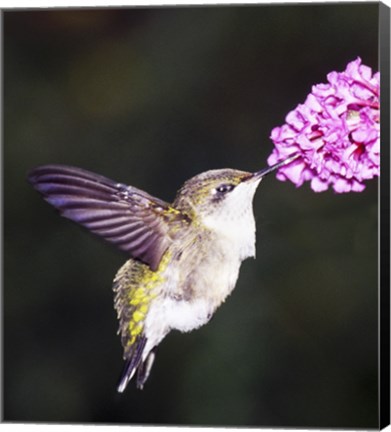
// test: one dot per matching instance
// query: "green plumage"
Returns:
(135, 286)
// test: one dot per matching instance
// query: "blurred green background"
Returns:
(151, 97)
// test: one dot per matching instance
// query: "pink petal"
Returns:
(313, 103)
(319, 185)
(293, 172)
(357, 187)
(341, 185)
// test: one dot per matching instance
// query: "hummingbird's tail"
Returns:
(136, 363)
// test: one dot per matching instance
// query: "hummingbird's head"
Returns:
(216, 192)
(221, 201)
(221, 194)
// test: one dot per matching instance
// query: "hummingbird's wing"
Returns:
(139, 224)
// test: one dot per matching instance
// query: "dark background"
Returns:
(151, 97)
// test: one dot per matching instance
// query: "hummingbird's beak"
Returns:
(263, 172)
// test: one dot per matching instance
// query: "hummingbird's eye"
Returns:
(224, 188)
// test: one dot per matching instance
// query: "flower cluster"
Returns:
(336, 132)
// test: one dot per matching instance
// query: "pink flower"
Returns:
(336, 132)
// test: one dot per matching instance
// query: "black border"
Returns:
(384, 215)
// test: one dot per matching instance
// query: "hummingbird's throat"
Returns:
(233, 221)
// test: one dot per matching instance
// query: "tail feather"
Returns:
(131, 364)
(144, 369)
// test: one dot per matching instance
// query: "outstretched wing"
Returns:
(139, 224)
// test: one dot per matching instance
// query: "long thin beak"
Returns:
(263, 172)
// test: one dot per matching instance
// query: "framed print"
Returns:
(244, 295)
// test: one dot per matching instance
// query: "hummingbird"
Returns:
(184, 257)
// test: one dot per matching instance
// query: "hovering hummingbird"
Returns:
(184, 257)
